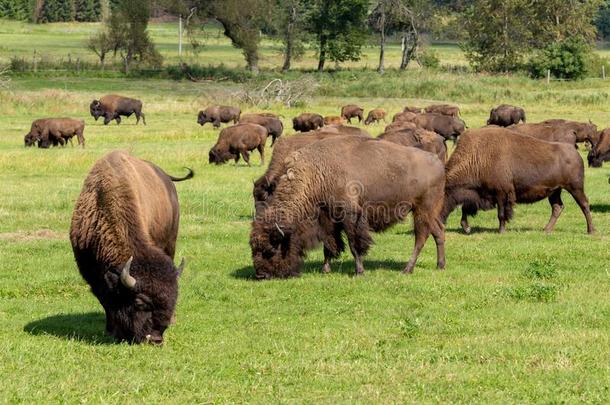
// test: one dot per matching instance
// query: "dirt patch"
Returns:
(24, 236)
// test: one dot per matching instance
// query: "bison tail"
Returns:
(190, 175)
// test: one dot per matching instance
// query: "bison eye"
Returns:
(143, 303)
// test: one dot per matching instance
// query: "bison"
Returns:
(375, 115)
(111, 107)
(584, 131)
(55, 131)
(497, 167)
(547, 133)
(237, 141)
(406, 116)
(333, 120)
(123, 235)
(397, 125)
(600, 152)
(352, 111)
(342, 129)
(446, 126)
(418, 138)
(217, 114)
(310, 206)
(307, 122)
(444, 109)
(411, 109)
(506, 115)
(274, 126)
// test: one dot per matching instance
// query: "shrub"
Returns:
(429, 59)
(565, 60)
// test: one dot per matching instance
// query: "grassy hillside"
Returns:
(519, 317)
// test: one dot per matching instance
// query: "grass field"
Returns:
(519, 317)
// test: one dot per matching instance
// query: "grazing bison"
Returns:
(375, 115)
(444, 109)
(352, 111)
(418, 138)
(547, 133)
(237, 141)
(497, 167)
(274, 126)
(585, 131)
(217, 114)
(444, 125)
(111, 107)
(506, 115)
(411, 109)
(341, 129)
(310, 206)
(123, 235)
(307, 122)
(333, 120)
(55, 131)
(600, 152)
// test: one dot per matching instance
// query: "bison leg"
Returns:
(139, 115)
(261, 150)
(556, 209)
(422, 231)
(117, 118)
(583, 203)
(216, 124)
(464, 221)
(107, 119)
(327, 258)
(358, 238)
(246, 156)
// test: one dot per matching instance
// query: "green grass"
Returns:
(519, 317)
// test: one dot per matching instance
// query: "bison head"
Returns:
(601, 150)
(219, 156)
(202, 118)
(146, 292)
(276, 249)
(96, 110)
(30, 139)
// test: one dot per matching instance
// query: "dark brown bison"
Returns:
(444, 109)
(375, 115)
(549, 133)
(497, 167)
(411, 109)
(352, 111)
(55, 131)
(274, 126)
(111, 107)
(600, 152)
(585, 131)
(310, 206)
(307, 122)
(404, 116)
(418, 138)
(217, 114)
(123, 235)
(333, 120)
(446, 126)
(237, 141)
(506, 115)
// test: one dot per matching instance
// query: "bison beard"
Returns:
(123, 235)
(497, 167)
(309, 207)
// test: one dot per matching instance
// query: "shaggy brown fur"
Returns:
(497, 167)
(54, 131)
(549, 133)
(404, 116)
(446, 126)
(329, 189)
(375, 115)
(274, 126)
(444, 109)
(129, 208)
(333, 120)
(585, 131)
(506, 115)
(411, 109)
(307, 122)
(111, 107)
(217, 114)
(397, 125)
(341, 129)
(352, 111)
(600, 152)
(418, 138)
(237, 141)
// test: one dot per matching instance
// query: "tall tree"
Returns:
(339, 27)
(289, 25)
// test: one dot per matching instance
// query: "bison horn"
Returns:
(126, 279)
(181, 267)
(280, 230)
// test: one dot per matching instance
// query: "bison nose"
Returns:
(154, 340)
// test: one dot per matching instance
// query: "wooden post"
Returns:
(180, 36)
(548, 76)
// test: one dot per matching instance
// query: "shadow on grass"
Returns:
(601, 208)
(88, 327)
(345, 267)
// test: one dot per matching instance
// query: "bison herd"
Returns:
(328, 181)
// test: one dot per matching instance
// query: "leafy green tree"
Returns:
(16, 9)
(602, 21)
(289, 26)
(565, 60)
(339, 28)
(87, 10)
